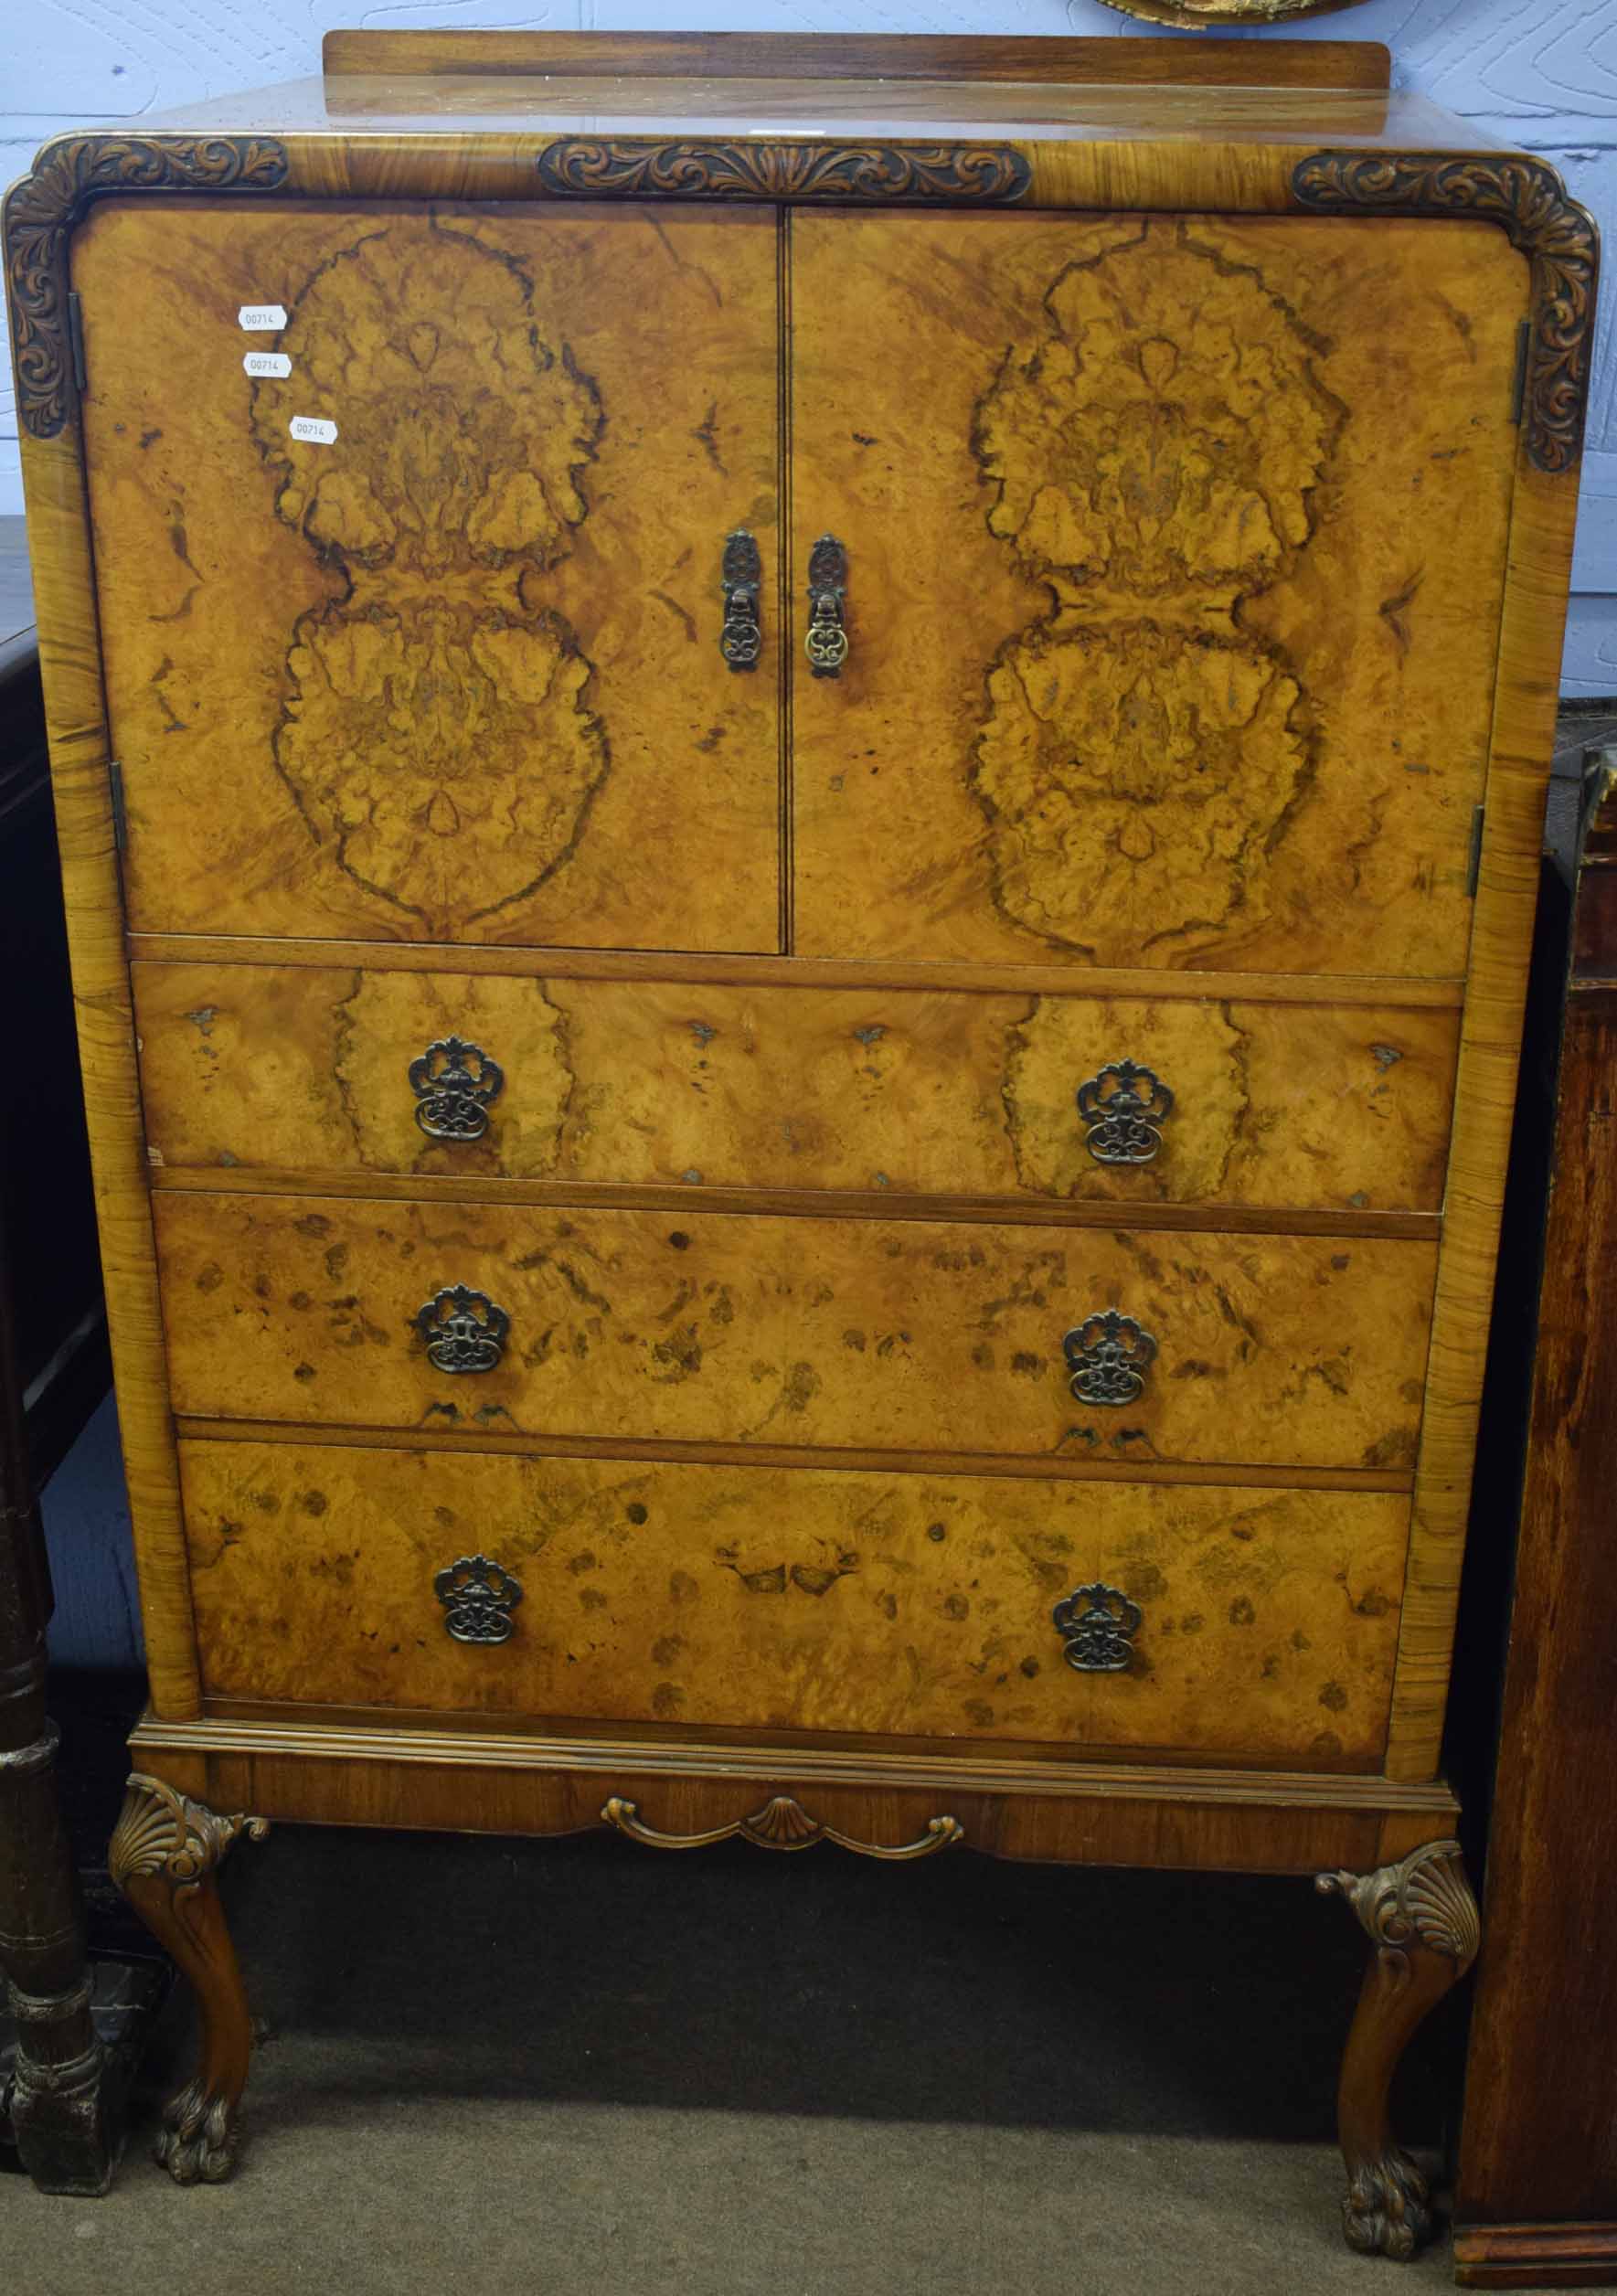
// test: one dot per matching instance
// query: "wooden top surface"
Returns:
(517, 105)
(1286, 93)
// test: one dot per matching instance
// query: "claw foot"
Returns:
(199, 2139)
(1387, 2208)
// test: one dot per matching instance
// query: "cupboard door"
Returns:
(1174, 556)
(449, 669)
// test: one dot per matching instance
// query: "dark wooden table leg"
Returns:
(59, 2118)
(1422, 1919)
(164, 1856)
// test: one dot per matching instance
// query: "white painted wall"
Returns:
(1539, 73)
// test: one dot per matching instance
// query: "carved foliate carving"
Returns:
(639, 168)
(1424, 1899)
(163, 1831)
(1154, 451)
(451, 490)
(1529, 201)
(40, 214)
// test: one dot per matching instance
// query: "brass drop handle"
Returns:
(826, 641)
(740, 641)
(463, 1329)
(1098, 1625)
(1125, 1108)
(478, 1598)
(454, 1081)
(1109, 1356)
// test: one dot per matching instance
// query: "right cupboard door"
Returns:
(1174, 548)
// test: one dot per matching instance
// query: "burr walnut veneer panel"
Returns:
(674, 1083)
(690, 1327)
(456, 668)
(1173, 615)
(913, 1606)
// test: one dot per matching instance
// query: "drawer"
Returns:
(656, 1083)
(759, 1597)
(945, 1336)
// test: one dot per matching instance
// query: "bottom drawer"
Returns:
(1256, 1624)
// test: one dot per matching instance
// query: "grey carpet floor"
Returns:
(594, 2070)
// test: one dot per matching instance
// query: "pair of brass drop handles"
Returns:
(741, 639)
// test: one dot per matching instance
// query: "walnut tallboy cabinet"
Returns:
(800, 783)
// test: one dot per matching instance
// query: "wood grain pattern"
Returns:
(1507, 892)
(662, 1084)
(904, 1606)
(346, 1770)
(92, 900)
(467, 654)
(856, 56)
(698, 1326)
(1443, 994)
(1539, 2147)
(1164, 743)
(884, 1459)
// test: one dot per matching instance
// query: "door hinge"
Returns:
(76, 339)
(1518, 388)
(1473, 864)
(119, 818)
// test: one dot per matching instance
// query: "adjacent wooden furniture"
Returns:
(801, 860)
(58, 2087)
(1536, 2202)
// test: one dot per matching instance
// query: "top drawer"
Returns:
(656, 1083)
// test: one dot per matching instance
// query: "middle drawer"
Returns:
(940, 1336)
(667, 1083)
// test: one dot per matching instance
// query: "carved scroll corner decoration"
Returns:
(782, 1824)
(1098, 1625)
(455, 1083)
(44, 209)
(478, 1597)
(1123, 1106)
(463, 1330)
(1109, 1356)
(640, 167)
(1529, 201)
(163, 1831)
(1423, 1900)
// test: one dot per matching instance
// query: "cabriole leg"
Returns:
(1422, 1919)
(165, 1853)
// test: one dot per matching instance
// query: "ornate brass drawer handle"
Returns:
(827, 642)
(1109, 1356)
(478, 1598)
(1124, 1106)
(781, 1824)
(463, 1330)
(1098, 1624)
(455, 1082)
(741, 577)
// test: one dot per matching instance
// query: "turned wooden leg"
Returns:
(1422, 1919)
(164, 1856)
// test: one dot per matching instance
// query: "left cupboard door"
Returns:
(411, 604)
